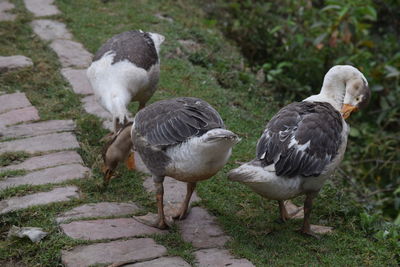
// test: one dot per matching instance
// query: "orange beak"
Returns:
(347, 110)
(130, 161)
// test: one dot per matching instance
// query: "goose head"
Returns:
(117, 150)
(345, 88)
(158, 39)
(357, 96)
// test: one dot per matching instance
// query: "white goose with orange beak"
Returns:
(304, 142)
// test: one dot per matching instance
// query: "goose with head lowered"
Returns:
(184, 138)
(304, 142)
(126, 68)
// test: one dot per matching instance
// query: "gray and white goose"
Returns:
(304, 142)
(126, 68)
(184, 138)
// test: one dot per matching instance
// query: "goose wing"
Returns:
(173, 121)
(135, 46)
(301, 139)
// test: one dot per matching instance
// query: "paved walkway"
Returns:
(55, 160)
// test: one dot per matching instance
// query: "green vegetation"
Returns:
(217, 73)
(293, 43)
(10, 158)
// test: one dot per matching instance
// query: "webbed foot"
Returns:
(153, 220)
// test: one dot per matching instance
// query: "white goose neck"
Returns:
(334, 86)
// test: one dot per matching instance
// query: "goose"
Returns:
(125, 68)
(304, 142)
(184, 138)
(117, 150)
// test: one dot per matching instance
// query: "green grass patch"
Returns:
(11, 173)
(10, 158)
(175, 245)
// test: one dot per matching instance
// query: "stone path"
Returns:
(137, 249)
(58, 162)
(14, 62)
(37, 137)
(102, 209)
(5, 7)
(50, 144)
(59, 194)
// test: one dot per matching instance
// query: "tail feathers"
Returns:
(248, 172)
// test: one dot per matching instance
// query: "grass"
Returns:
(214, 73)
(10, 158)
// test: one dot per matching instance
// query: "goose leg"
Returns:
(151, 219)
(306, 229)
(184, 208)
(283, 212)
(158, 181)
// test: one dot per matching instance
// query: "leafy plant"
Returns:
(380, 230)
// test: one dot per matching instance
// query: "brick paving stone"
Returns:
(45, 161)
(41, 143)
(71, 53)
(78, 80)
(215, 257)
(174, 194)
(37, 128)
(162, 262)
(107, 229)
(52, 175)
(49, 30)
(102, 209)
(201, 229)
(13, 101)
(41, 8)
(14, 62)
(137, 249)
(19, 115)
(92, 107)
(59, 194)
(4, 7)
(174, 191)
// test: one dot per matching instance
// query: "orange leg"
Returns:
(306, 229)
(184, 208)
(161, 224)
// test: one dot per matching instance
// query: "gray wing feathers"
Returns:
(134, 46)
(301, 139)
(173, 121)
(170, 122)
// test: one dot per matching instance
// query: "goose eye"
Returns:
(358, 98)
